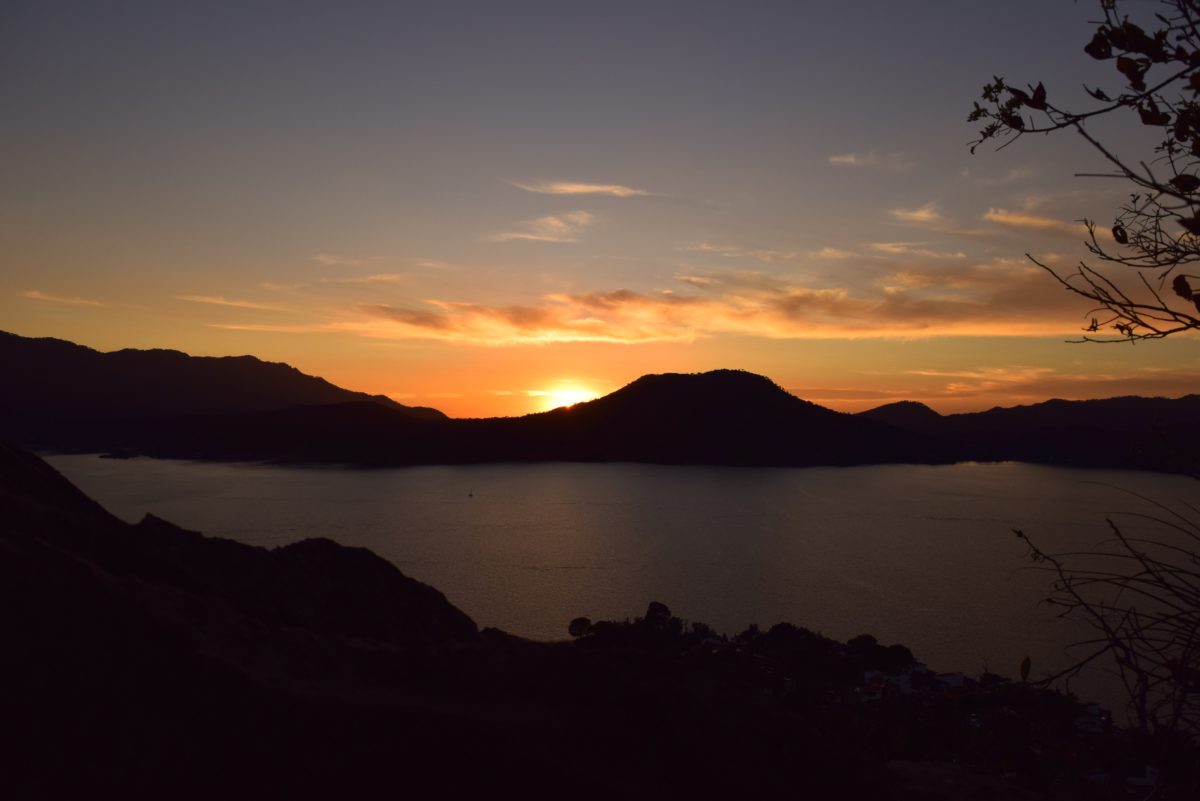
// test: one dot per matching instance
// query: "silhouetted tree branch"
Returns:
(1153, 290)
(1142, 598)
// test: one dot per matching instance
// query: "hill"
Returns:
(727, 417)
(68, 396)
(163, 403)
(148, 661)
(1124, 432)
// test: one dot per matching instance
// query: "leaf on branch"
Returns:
(1099, 48)
(1191, 224)
(1152, 115)
(1134, 39)
(1012, 119)
(1038, 100)
(1098, 94)
(1134, 69)
(1186, 182)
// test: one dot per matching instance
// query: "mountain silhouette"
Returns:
(66, 395)
(909, 415)
(1126, 432)
(726, 417)
(164, 403)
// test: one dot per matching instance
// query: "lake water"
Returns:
(920, 555)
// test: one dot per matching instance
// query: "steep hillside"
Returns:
(65, 395)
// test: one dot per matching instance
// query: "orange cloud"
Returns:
(577, 188)
(1018, 219)
(925, 215)
(982, 299)
(891, 162)
(336, 260)
(1019, 383)
(378, 278)
(34, 294)
(216, 300)
(914, 249)
(552, 228)
(764, 255)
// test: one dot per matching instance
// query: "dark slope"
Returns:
(1127, 432)
(303, 584)
(65, 395)
(726, 417)
(148, 661)
(908, 415)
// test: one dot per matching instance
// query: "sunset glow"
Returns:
(567, 396)
(476, 215)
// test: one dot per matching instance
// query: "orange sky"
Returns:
(475, 212)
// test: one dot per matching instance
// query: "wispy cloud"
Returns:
(34, 294)
(846, 394)
(919, 300)
(890, 162)
(1012, 176)
(833, 254)
(553, 228)
(925, 215)
(915, 249)
(217, 300)
(336, 260)
(579, 188)
(1023, 220)
(764, 255)
(267, 328)
(1024, 383)
(527, 393)
(379, 278)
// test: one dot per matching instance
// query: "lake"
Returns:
(922, 555)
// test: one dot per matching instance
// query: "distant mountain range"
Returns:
(63, 395)
(1129, 432)
(168, 404)
(722, 417)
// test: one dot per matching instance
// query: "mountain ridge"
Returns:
(134, 402)
(64, 391)
(1155, 433)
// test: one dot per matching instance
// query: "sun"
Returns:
(566, 395)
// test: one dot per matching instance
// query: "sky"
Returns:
(493, 208)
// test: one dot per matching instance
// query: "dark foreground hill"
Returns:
(59, 394)
(148, 661)
(1126, 432)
